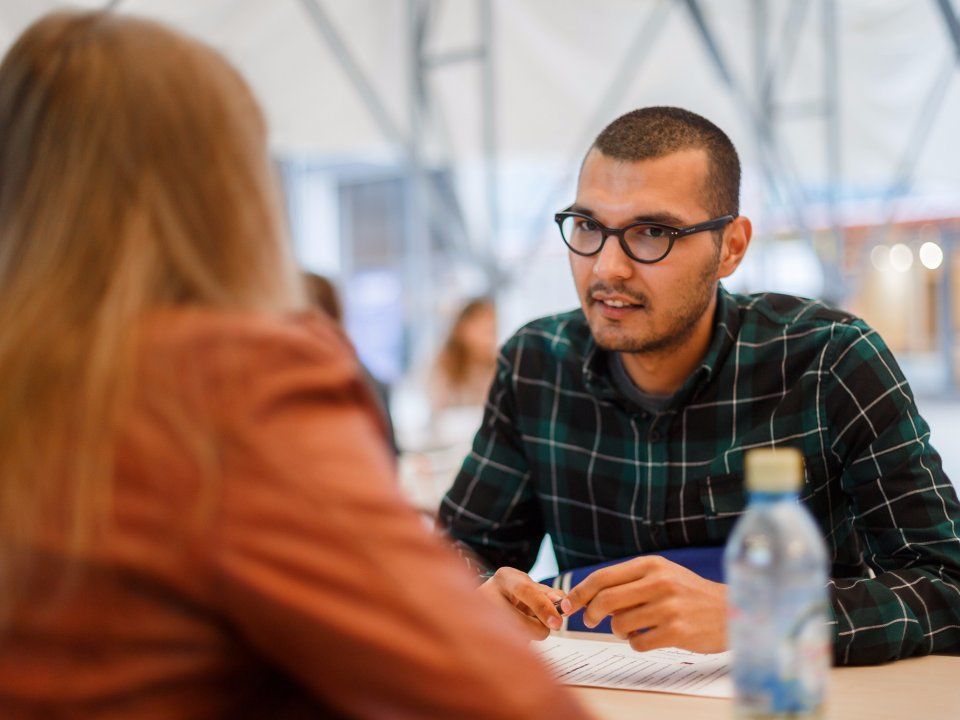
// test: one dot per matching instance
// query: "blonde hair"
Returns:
(134, 175)
(454, 359)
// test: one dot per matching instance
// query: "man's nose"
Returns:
(611, 262)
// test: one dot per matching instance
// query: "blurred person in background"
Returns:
(195, 493)
(467, 361)
(456, 387)
(323, 294)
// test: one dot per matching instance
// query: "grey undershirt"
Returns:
(621, 379)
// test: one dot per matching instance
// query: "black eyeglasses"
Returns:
(645, 242)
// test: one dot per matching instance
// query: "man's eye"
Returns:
(651, 231)
(585, 225)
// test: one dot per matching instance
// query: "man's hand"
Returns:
(655, 603)
(530, 602)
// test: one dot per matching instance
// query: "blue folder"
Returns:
(707, 562)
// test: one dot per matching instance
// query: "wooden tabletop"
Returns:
(926, 688)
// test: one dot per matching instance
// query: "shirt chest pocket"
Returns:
(724, 500)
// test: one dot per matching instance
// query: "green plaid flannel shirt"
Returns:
(561, 451)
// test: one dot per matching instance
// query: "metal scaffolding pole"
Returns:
(763, 112)
(476, 245)
(761, 59)
(442, 211)
(928, 114)
(902, 179)
(634, 57)
(929, 111)
(952, 22)
(765, 76)
(418, 255)
(773, 162)
(431, 209)
(947, 325)
(833, 147)
(489, 129)
(948, 321)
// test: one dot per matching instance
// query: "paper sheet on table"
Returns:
(596, 663)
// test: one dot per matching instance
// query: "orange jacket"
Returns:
(297, 584)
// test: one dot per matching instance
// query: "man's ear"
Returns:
(736, 240)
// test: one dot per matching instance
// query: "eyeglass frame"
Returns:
(675, 233)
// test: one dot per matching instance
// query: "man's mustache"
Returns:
(617, 289)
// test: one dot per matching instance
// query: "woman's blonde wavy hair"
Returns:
(134, 175)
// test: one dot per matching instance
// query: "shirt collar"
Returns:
(598, 377)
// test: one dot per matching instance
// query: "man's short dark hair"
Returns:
(653, 132)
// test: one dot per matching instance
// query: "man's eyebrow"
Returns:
(663, 218)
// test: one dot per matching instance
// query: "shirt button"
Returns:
(655, 436)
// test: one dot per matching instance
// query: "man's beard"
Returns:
(681, 324)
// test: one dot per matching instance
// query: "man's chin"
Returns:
(618, 339)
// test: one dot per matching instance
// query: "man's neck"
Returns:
(664, 372)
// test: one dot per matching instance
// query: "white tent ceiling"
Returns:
(553, 60)
(561, 69)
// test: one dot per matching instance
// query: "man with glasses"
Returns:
(620, 428)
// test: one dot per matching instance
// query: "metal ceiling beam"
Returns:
(364, 87)
(902, 180)
(789, 42)
(952, 23)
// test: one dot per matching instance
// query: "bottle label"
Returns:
(781, 663)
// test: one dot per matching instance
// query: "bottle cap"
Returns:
(774, 470)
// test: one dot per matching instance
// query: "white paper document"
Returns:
(598, 663)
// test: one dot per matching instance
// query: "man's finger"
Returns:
(650, 589)
(619, 598)
(536, 598)
(533, 627)
(560, 602)
(619, 574)
(554, 595)
(528, 623)
(642, 619)
(531, 623)
(651, 640)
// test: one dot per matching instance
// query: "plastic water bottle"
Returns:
(776, 571)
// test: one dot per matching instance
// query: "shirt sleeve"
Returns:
(902, 506)
(320, 565)
(491, 510)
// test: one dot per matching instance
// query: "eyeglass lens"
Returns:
(646, 242)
